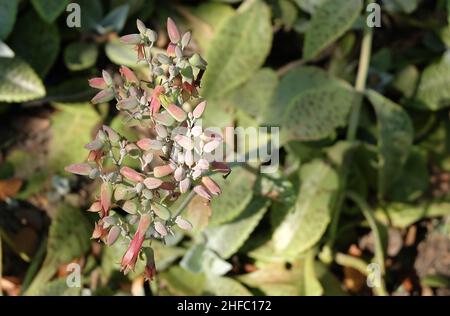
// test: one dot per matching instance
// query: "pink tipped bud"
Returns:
(129, 75)
(131, 174)
(211, 146)
(95, 207)
(199, 109)
(182, 223)
(176, 112)
(147, 144)
(152, 183)
(201, 191)
(96, 144)
(132, 39)
(105, 196)
(161, 229)
(103, 96)
(82, 169)
(172, 31)
(98, 83)
(113, 234)
(211, 185)
(162, 171)
(185, 185)
(184, 141)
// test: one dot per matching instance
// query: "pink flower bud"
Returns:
(161, 229)
(171, 49)
(132, 39)
(185, 184)
(161, 131)
(211, 146)
(183, 224)
(162, 171)
(105, 197)
(82, 169)
(129, 75)
(112, 135)
(96, 144)
(155, 104)
(113, 234)
(152, 183)
(98, 83)
(103, 96)
(147, 144)
(184, 141)
(176, 112)
(201, 191)
(95, 207)
(131, 174)
(130, 256)
(172, 31)
(199, 109)
(128, 104)
(99, 231)
(179, 174)
(211, 185)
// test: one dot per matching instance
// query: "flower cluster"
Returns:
(178, 160)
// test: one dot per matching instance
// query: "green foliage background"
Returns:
(358, 148)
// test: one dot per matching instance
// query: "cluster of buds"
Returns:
(177, 161)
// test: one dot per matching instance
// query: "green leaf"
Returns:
(114, 20)
(205, 19)
(8, 12)
(40, 51)
(92, 12)
(70, 120)
(18, 81)
(49, 10)
(309, 6)
(57, 288)
(406, 6)
(329, 22)
(80, 56)
(402, 215)
(278, 279)
(315, 114)
(395, 137)
(68, 239)
(292, 84)
(255, 95)
(433, 93)
(218, 238)
(413, 180)
(180, 281)
(304, 225)
(201, 259)
(236, 194)
(223, 286)
(238, 49)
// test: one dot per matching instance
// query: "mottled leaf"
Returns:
(395, 137)
(239, 48)
(306, 222)
(331, 20)
(18, 81)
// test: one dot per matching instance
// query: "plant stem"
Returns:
(184, 204)
(379, 252)
(360, 86)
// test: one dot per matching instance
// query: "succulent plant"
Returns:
(176, 162)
